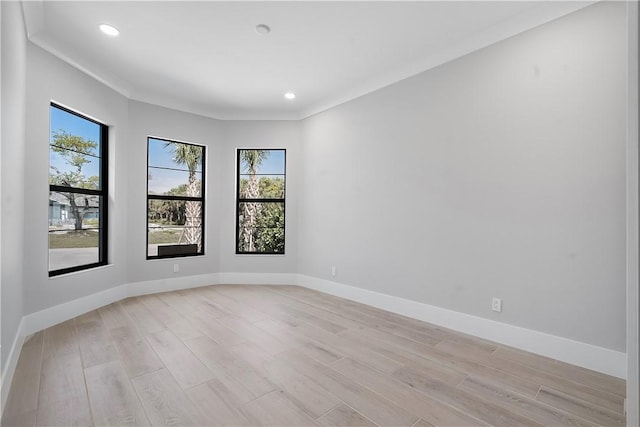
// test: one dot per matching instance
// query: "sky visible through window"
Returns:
(160, 156)
(272, 165)
(74, 125)
(163, 180)
(164, 173)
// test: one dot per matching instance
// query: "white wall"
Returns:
(258, 134)
(633, 297)
(130, 123)
(149, 120)
(50, 79)
(499, 174)
(221, 139)
(12, 167)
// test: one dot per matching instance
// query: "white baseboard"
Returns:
(12, 362)
(171, 284)
(43, 319)
(574, 352)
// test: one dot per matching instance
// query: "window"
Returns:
(77, 192)
(175, 199)
(260, 203)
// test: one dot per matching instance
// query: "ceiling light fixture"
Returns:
(109, 30)
(290, 95)
(263, 29)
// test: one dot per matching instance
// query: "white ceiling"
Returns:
(205, 57)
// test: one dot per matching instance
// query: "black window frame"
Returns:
(240, 200)
(200, 199)
(102, 193)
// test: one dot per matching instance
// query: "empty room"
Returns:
(319, 213)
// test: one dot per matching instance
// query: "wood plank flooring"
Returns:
(288, 356)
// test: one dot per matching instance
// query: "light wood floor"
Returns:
(288, 356)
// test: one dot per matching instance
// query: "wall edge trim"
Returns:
(12, 362)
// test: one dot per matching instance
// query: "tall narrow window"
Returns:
(260, 201)
(77, 192)
(175, 199)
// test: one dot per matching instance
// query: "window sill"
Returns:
(73, 273)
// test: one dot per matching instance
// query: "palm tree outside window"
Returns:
(175, 199)
(260, 201)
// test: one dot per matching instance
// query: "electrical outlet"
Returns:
(496, 304)
(333, 270)
(176, 268)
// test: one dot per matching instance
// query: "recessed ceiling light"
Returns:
(290, 95)
(109, 30)
(263, 29)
